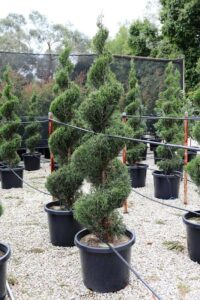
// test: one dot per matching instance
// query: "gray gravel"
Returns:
(38, 270)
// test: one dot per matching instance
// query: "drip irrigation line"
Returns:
(37, 121)
(28, 184)
(192, 118)
(133, 271)
(127, 138)
(9, 291)
(165, 204)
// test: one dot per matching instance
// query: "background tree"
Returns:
(119, 44)
(95, 158)
(180, 25)
(13, 36)
(143, 37)
(170, 103)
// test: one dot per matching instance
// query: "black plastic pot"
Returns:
(46, 153)
(3, 268)
(191, 155)
(9, 179)
(144, 153)
(31, 161)
(138, 175)
(62, 225)
(154, 146)
(166, 186)
(102, 269)
(193, 237)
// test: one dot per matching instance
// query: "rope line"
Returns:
(192, 118)
(133, 271)
(127, 138)
(165, 204)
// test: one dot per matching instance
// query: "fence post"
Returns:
(185, 157)
(50, 117)
(124, 119)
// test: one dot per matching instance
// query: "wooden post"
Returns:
(124, 119)
(50, 132)
(185, 157)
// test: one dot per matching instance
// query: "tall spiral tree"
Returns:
(170, 103)
(32, 130)
(64, 183)
(96, 157)
(10, 140)
(133, 106)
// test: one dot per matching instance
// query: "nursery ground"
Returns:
(38, 270)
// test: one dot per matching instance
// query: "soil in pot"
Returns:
(166, 186)
(62, 225)
(102, 269)
(11, 179)
(31, 161)
(138, 175)
(192, 223)
(4, 256)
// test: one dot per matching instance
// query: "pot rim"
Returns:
(138, 166)
(83, 232)
(34, 154)
(6, 169)
(158, 173)
(50, 211)
(6, 249)
(186, 217)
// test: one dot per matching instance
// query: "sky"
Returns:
(82, 14)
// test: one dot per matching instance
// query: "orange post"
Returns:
(185, 157)
(50, 132)
(124, 119)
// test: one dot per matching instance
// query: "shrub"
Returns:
(96, 157)
(170, 103)
(64, 183)
(10, 141)
(134, 107)
(32, 130)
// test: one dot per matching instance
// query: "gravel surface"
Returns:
(38, 270)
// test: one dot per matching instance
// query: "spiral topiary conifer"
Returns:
(134, 107)
(10, 140)
(64, 183)
(170, 104)
(96, 157)
(32, 130)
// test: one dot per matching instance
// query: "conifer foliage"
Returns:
(96, 157)
(10, 140)
(170, 103)
(64, 183)
(32, 130)
(134, 107)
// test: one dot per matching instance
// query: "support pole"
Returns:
(125, 205)
(50, 132)
(185, 158)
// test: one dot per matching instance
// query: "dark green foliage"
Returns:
(181, 19)
(170, 103)
(64, 183)
(95, 158)
(143, 36)
(1, 209)
(193, 168)
(10, 141)
(32, 130)
(134, 107)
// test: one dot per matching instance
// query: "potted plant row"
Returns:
(170, 102)
(65, 183)
(32, 133)
(135, 151)
(96, 159)
(5, 253)
(10, 140)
